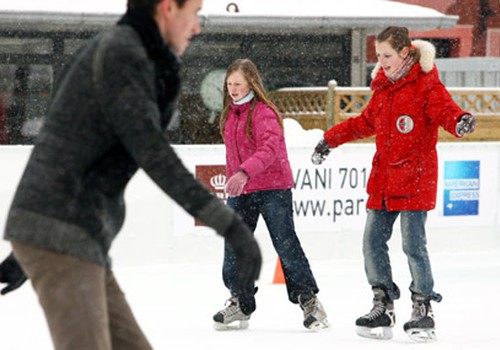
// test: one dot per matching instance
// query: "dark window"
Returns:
(30, 62)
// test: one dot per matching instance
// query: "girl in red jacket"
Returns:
(259, 183)
(408, 105)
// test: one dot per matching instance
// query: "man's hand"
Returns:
(12, 274)
(321, 150)
(247, 252)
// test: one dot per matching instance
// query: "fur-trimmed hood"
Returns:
(427, 55)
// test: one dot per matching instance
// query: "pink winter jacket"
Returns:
(264, 157)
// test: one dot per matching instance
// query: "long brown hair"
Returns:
(252, 76)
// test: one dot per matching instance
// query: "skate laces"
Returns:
(377, 310)
(232, 307)
(309, 306)
(420, 310)
(313, 307)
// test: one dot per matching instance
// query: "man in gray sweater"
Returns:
(106, 120)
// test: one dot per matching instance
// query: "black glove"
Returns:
(466, 125)
(12, 274)
(246, 250)
(321, 150)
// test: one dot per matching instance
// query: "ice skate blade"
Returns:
(319, 326)
(379, 333)
(422, 335)
(233, 326)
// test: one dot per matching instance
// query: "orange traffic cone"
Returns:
(279, 276)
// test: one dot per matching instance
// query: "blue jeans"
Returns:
(275, 206)
(378, 231)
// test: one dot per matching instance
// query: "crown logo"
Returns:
(218, 182)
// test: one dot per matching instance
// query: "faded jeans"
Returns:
(275, 206)
(378, 231)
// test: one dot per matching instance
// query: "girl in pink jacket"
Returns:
(259, 183)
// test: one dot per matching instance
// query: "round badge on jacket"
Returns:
(404, 124)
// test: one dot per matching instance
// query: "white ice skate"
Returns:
(314, 314)
(380, 333)
(422, 335)
(319, 326)
(420, 327)
(378, 323)
(231, 317)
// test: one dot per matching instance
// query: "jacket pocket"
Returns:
(403, 177)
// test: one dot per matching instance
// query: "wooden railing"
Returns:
(323, 107)
(306, 105)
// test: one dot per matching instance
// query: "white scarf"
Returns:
(245, 99)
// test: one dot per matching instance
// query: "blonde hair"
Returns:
(252, 76)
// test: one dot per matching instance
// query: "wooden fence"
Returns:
(323, 107)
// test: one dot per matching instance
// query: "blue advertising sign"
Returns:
(461, 188)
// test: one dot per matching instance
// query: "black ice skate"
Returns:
(378, 323)
(314, 314)
(420, 327)
(231, 317)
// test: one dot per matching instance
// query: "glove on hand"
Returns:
(321, 150)
(466, 125)
(236, 183)
(12, 274)
(247, 252)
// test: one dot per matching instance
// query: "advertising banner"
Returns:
(332, 196)
(468, 185)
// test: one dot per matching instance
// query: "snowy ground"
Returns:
(174, 302)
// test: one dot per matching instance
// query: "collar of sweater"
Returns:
(145, 26)
(167, 64)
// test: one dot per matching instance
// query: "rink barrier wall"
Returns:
(329, 203)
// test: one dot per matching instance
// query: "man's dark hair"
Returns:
(150, 5)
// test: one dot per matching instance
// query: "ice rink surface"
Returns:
(174, 302)
(174, 285)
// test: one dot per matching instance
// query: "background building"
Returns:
(477, 32)
(468, 54)
(293, 43)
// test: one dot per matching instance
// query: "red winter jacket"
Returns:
(405, 117)
(264, 157)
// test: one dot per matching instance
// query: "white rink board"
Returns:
(330, 197)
